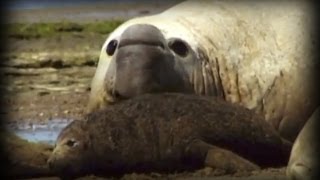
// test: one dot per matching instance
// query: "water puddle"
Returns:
(41, 132)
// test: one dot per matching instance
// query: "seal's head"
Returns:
(86, 147)
(71, 152)
(143, 58)
(143, 62)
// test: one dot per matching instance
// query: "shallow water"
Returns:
(36, 4)
(42, 132)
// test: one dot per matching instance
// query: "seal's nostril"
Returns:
(128, 42)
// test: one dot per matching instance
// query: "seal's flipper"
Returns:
(227, 160)
(219, 158)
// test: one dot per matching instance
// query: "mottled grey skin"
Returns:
(168, 132)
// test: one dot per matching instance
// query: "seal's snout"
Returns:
(141, 61)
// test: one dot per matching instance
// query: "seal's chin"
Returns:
(68, 169)
(64, 171)
(69, 174)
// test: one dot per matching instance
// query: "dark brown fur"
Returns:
(154, 132)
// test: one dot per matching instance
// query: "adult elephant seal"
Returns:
(258, 54)
(304, 159)
(167, 133)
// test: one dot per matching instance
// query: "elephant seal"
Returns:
(167, 132)
(304, 159)
(258, 54)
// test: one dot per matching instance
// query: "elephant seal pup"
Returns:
(304, 159)
(256, 53)
(167, 132)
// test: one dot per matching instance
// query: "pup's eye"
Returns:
(71, 143)
(111, 47)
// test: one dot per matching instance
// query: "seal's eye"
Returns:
(179, 47)
(71, 143)
(111, 47)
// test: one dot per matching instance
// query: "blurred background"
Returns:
(52, 51)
